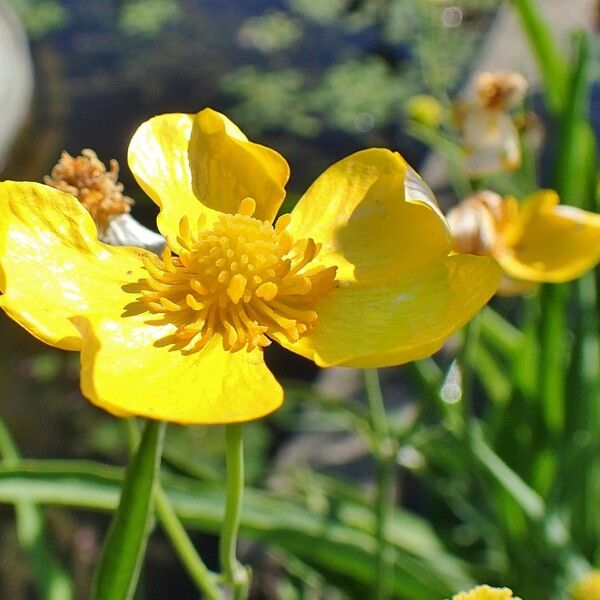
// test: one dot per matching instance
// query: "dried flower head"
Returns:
(499, 91)
(85, 177)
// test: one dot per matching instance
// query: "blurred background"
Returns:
(314, 79)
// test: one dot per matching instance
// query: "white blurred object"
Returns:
(124, 230)
(16, 79)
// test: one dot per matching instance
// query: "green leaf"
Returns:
(339, 545)
(497, 331)
(575, 157)
(118, 570)
(51, 581)
(551, 64)
(532, 505)
(492, 375)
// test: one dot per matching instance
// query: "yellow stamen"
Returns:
(244, 280)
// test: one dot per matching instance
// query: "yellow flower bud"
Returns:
(425, 109)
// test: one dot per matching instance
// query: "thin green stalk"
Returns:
(385, 459)
(51, 581)
(205, 581)
(466, 360)
(235, 575)
(496, 330)
(118, 571)
(552, 356)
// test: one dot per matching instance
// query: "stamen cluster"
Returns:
(243, 279)
(86, 178)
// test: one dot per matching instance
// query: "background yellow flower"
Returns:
(535, 241)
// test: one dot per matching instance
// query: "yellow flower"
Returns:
(485, 592)
(536, 241)
(490, 138)
(360, 274)
(588, 588)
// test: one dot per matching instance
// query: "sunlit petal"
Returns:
(402, 319)
(550, 242)
(130, 368)
(158, 157)
(226, 167)
(373, 216)
(53, 266)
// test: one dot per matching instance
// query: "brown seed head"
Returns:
(86, 178)
(499, 91)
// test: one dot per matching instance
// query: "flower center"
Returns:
(243, 279)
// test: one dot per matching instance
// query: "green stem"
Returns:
(119, 567)
(466, 360)
(385, 455)
(553, 350)
(205, 580)
(234, 574)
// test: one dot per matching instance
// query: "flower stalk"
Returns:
(118, 571)
(205, 581)
(385, 453)
(234, 574)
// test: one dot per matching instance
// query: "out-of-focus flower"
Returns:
(485, 592)
(588, 588)
(360, 274)
(538, 240)
(425, 109)
(489, 136)
(101, 193)
(531, 128)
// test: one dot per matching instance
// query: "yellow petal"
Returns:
(550, 242)
(373, 216)
(227, 168)
(158, 157)
(52, 265)
(198, 164)
(401, 319)
(127, 368)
